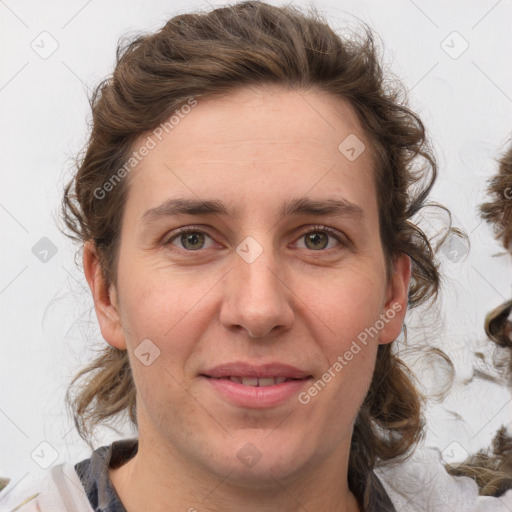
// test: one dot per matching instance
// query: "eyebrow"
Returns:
(306, 206)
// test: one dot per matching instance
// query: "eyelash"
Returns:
(310, 229)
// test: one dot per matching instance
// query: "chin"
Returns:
(259, 461)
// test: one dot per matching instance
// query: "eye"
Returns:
(317, 238)
(190, 238)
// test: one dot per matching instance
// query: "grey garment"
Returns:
(93, 474)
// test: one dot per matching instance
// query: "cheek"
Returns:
(345, 313)
(159, 334)
(346, 305)
(335, 398)
(159, 303)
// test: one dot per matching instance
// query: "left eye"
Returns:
(318, 238)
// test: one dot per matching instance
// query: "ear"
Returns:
(105, 298)
(397, 295)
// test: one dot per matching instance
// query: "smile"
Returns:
(259, 382)
(256, 392)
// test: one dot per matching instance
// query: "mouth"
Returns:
(248, 374)
(257, 381)
(250, 386)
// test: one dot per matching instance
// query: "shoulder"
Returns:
(421, 483)
(58, 490)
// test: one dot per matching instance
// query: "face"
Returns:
(280, 276)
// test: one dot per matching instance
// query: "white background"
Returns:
(48, 325)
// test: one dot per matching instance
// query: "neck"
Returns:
(162, 478)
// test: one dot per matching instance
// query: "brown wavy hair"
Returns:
(207, 54)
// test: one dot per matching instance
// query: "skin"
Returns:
(298, 303)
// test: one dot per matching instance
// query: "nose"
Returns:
(256, 297)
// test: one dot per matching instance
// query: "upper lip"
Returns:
(240, 369)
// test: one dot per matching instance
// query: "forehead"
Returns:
(268, 115)
(253, 140)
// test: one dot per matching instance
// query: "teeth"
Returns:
(254, 381)
(250, 381)
(266, 381)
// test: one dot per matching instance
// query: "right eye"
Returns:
(190, 239)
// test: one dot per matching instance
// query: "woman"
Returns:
(245, 205)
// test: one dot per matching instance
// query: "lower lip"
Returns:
(257, 396)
